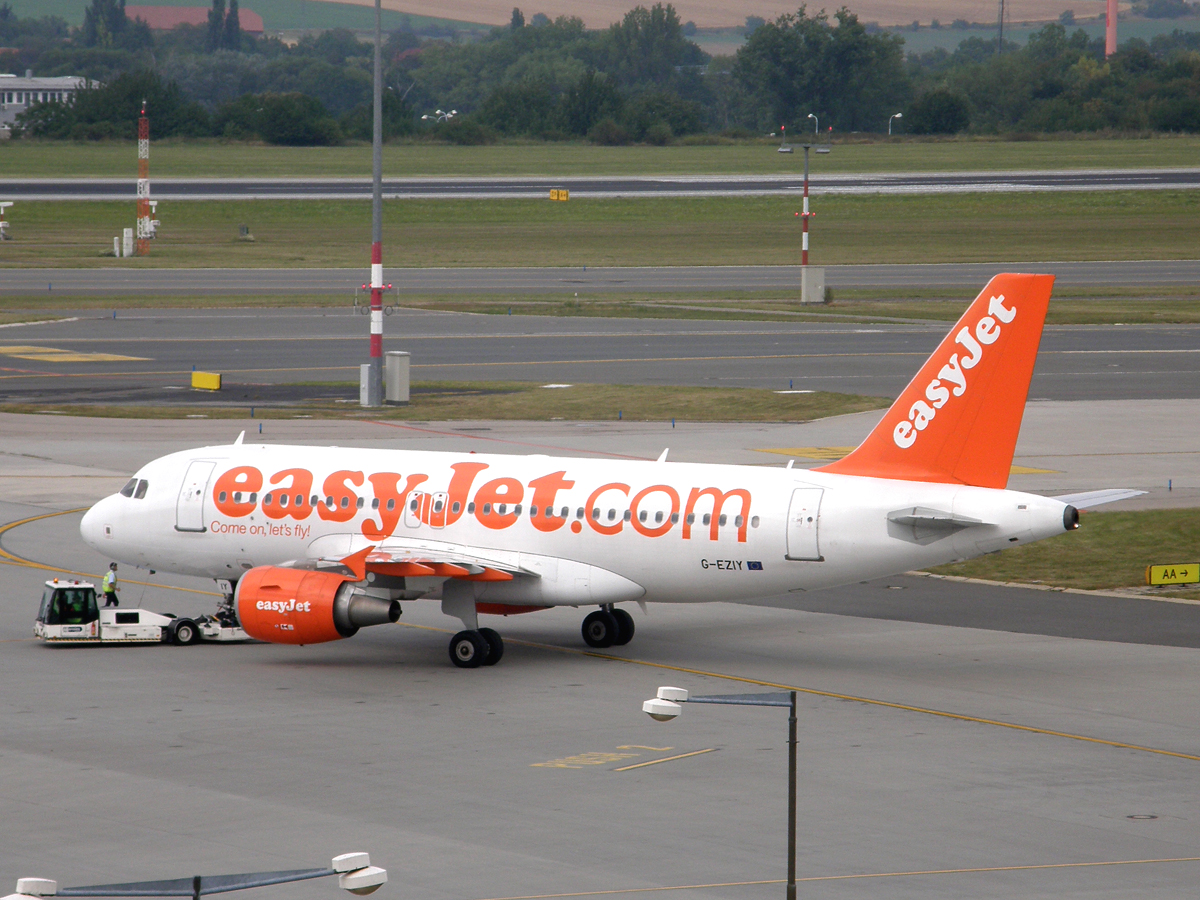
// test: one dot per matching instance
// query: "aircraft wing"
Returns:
(411, 559)
(1088, 499)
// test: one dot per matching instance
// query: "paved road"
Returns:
(606, 186)
(992, 738)
(287, 346)
(117, 280)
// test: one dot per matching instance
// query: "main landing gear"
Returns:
(608, 627)
(474, 648)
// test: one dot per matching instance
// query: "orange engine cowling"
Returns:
(299, 606)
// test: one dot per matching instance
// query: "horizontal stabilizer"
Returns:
(923, 517)
(1088, 499)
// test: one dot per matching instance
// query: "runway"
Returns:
(971, 277)
(146, 356)
(466, 188)
(955, 740)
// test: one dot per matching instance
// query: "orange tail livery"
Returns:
(958, 419)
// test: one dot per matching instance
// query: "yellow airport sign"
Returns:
(206, 381)
(1185, 573)
(560, 194)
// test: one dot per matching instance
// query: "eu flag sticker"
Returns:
(754, 565)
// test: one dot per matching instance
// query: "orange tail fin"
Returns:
(958, 419)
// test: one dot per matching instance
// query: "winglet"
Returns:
(958, 419)
(357, 562)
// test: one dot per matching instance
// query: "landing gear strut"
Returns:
(608, 627)
(476, 646)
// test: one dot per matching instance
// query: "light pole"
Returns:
(666, 706)
(371, 394)
(816, 123)
(896, 116)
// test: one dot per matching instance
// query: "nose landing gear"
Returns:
(608, 627)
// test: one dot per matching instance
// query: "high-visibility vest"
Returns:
(110, 581)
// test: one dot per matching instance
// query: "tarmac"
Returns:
(954, 739)
(146, 356)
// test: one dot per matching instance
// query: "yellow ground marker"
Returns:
(833, 695)
(206, 381)
(912, 874)
(55, 355)
(655, 762)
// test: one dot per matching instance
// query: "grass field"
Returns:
(118, 159)
(1110, 550)
(1025, 228)
(1179, 307)
(442, 401)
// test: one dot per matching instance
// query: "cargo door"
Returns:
(803, 524)
(189, 509)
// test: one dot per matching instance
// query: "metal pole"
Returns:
(1110, 28)
(791, 882)
(375, 373)
(804, 238)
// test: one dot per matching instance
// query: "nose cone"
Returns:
(92, 526)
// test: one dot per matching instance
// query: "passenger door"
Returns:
(189, 509)
(804, 519)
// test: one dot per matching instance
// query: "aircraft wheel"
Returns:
(495, 645)
(624, 627)
(468, 649)
(600, 629)
(185, 632)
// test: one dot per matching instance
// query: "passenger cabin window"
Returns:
(707, 518)
(754, 522)
(455, 507)
(471, 508)
(130, 485)
(360, 503)
(375, 503)
(391, 504)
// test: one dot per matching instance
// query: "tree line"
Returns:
(642, 79)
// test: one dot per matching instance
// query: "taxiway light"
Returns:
(661, 710)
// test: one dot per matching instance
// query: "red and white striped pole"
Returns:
(374, 392)
(806, 215)
(1110, 28)
(143, 185)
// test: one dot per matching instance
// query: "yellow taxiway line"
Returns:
(655, 762)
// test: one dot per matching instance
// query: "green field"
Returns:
(1110, 550)
(443, 401)
(277, 15)
(118, 159)
(1028, 228)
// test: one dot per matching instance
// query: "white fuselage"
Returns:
(618, 530)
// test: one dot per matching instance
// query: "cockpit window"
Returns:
(141, 489)
(127, 491)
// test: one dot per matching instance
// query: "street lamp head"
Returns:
(811, 116)
(675, 694)
(822, 149)
(898, 116)
(661, 710)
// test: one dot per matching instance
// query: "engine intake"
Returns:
(298, 606)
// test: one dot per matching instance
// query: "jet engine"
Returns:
(302, 606)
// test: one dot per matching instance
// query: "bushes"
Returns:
(938, 112)
(113, 110)
(293, 120)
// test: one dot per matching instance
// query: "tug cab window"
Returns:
(70, 606)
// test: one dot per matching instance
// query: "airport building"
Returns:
(18, 93)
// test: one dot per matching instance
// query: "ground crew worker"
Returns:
(110, 586)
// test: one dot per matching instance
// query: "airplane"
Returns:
(317, 542)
